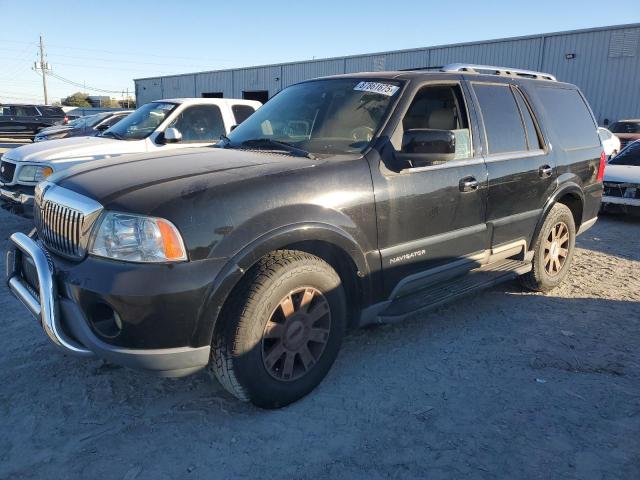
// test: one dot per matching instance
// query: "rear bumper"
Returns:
(66, 325)
(630, 202)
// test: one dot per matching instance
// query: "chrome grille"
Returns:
(59, 227)
(64, 219)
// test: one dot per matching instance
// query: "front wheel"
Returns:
(553, 251)
(280, 330)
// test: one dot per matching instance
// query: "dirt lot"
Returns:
(504, 384)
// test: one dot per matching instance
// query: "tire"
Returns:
(546, 274)
(254, 328)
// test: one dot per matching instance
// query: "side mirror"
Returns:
(426, 146)
(102, 127)
(172, 135)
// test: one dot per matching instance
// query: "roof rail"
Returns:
(501, 71)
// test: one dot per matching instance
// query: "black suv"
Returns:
(24, 121)
(343, 201)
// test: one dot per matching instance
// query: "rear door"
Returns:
(26, 119)
(522, 171)
(6, 119)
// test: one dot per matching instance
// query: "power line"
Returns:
(81, 85)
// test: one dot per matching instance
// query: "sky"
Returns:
(105, 45)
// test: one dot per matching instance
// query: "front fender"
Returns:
(276, 239)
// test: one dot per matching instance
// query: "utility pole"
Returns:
(43, 69)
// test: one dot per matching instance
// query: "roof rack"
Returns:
(501, 71)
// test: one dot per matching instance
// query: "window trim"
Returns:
(536, 123)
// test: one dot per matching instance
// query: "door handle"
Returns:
(545, 171)
(468, 184)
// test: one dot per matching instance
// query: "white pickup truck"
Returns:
(157, 126)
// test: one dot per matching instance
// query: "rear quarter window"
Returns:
(569, 117)
(52, 111)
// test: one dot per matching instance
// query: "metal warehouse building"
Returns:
(603, 62)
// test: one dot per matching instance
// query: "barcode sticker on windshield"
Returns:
(375, 87)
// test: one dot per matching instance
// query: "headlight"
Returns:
(135, 238)
(33, 173)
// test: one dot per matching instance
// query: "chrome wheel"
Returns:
(296, 334)
(556, 248)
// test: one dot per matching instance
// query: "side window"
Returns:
(5, 111)
(113, 120)
(569, 117)
(242, 112)
(533, 139)
(25, 111)
(502, 121)
(441, 107)
(51, 111)
(200, 123)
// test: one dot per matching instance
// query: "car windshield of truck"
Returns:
(626, 127)
(628, 156)
(323, 117)
(141, 123)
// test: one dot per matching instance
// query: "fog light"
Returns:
(105, 320)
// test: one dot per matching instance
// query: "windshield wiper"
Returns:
(276, 145)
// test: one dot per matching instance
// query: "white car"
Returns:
(622, 178)
(610, 142)
(155, 127)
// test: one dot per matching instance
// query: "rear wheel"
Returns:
(280, 330)
(554, 250)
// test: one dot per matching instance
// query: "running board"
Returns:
(444, 292)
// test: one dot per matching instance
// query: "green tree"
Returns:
(78, 99)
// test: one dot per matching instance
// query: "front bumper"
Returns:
(21, 196)
(630, 202)
(65, 322)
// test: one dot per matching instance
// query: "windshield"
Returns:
(141, 123)
(628, 156)
(626, 127)
(322, 116)
(88, 121)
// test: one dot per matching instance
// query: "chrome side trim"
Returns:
(45, 308)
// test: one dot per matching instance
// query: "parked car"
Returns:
(627, 131)
(88, 126)
(25, 121)
(622, 180)
(347, 200)
(610, 142)
(154, 127)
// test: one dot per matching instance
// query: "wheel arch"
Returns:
(569, 194)
(328, 242)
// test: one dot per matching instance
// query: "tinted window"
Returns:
(502, 121)
(51, 111)
(241, 112)
(533, 141)
(628, 156)
(5, 111)
(25, 111)
(201, 123)
(569, 117)
(626, 127)
(113, 120)
(441, 108)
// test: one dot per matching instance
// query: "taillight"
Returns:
(603, 163)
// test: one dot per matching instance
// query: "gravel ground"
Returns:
(504, 384)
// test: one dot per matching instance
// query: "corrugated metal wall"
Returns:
(605, 65)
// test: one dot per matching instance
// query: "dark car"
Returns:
(25, 121)
(344, 201)
(88, 126)
(627, 131)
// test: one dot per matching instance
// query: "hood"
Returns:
(622, 173)
(92, 148)
(153, 178)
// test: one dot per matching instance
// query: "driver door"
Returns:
(431, 216)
